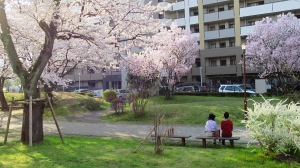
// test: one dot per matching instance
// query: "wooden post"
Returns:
(8, 121)
(150, 133)
(53, 114)
(30, 120)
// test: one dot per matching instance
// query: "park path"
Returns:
(89, 124)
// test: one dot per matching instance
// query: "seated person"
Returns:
(211, 127)
(226, 127)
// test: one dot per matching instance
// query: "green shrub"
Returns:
(109, 95)
(91, 103)
(89, 94)
(293, 97)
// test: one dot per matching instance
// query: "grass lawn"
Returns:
(97, 152)
(187, 110)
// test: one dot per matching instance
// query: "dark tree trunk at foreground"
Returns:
(4, 105)
(37, 124)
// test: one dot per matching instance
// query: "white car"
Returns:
(122, 93)
(81, 90)
(234, 88)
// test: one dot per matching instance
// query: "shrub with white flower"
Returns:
(276, 126)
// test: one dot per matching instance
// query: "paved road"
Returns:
(105, 129)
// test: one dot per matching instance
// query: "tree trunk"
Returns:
(4, 106)
(37, 120)
(168, 93)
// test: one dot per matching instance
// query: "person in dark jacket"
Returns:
(226, 127)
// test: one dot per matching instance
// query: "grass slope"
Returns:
(187, 110)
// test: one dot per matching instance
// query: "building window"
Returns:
(212, 28)
(223, 62)
(198, 63)
(213, 63)
(251, 23)
(71, 72)
(196, 29)
(90, 71)
(212, 45)
(195, 13)
(232, 61)
(231, 25)
(251, 4)
(211, 10)
(222, 45)
(222, 27)
(231, 44)
(160, 16)
(221, 9)
(230, 7)
(261, 2)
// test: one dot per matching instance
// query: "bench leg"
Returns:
(183, 141)
(204, 143)
(231, 143)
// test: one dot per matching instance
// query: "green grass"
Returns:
(187, 110)
(16, 96)
(118, 152)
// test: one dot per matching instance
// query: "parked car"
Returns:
(122, 93)
(185, 89)
(248, 87)
(81, 90)
(234, 88)
(201, 88)
(213, 89)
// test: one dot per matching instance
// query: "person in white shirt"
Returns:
(211, 127)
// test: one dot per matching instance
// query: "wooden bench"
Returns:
(231, 140)
(183, 137)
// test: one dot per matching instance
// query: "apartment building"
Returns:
(89, 79)
(222, 26)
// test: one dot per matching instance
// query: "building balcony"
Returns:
(164, 4)
(180, 21)
(215, 70)
(216, 34)
(246, 30)
(178, 6)
(166, 21)
(193, 3)
(275, 7)
(210, 2)
(197, 34)
(194, 20)
(217, 16)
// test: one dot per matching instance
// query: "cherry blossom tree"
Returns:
(274, 49)
(169, 57)
(31, 29)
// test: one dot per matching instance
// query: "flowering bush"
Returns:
(117, 105)
(275, 125)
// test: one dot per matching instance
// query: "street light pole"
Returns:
(200, 76)
(79, 79)
(244, 73)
